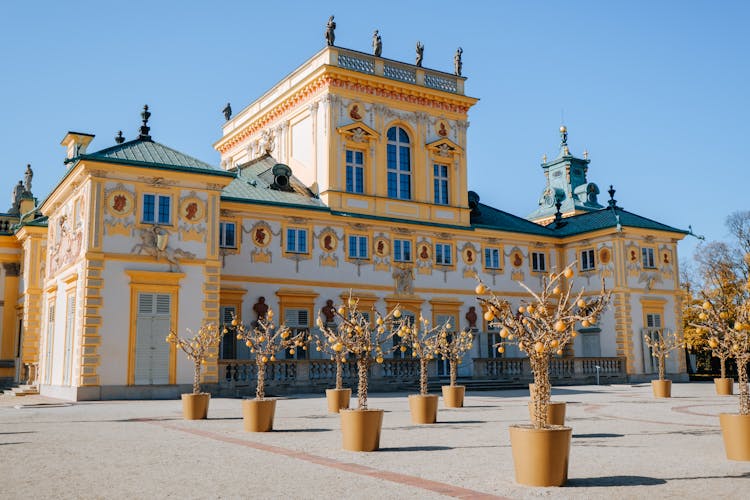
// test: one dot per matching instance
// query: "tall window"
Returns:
(440, 184)
(355, 172)
(298, 320)
(492, 258)
(538, 262)
(156, 209)
(587, 260)
(402, 250)
(399, 164)
(357, 247)
(647, 257)
(443, 254)
(227, 235)
(296, 240)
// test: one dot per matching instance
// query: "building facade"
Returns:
(349, 175)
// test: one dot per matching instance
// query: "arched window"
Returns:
(399, 164)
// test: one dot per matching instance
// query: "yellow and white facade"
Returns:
(349, 174)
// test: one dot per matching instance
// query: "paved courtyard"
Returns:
(625, 444)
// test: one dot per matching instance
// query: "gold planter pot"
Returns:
(423, 408)
(724, 386)
(735, 429)
(360, 429)
(453, 396)
(338, 399)
(555, 412)
(195, 406)
(662, 388)
(540, 456)
(257, 414)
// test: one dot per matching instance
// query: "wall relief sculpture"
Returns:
(155, 242)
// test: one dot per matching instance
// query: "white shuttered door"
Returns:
(70, 316)
(152, 327)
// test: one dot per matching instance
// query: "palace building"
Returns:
(349, 174)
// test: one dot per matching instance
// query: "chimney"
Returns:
(75, 144)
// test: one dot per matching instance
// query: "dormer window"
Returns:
(399, 164)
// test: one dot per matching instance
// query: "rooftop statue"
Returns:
(420, 53)
(457, 64)
(227, 111)
(330, 35)
(27, 176)
(377, 44)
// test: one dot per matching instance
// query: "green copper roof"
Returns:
(607, 218)
(146, 153)
(492, 218)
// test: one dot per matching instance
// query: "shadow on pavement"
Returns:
(417, 448)
(19, 442)
(589, 482)
(600, 435)
(19, 432)
(301, 430)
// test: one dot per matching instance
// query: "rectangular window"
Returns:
(357, 247)
(443, 254)
(401, 345)
(440, 184)
(156, 209)
(355, 172)
(653, 320)
(647, 257)
(587, 260)
(402, 250)
(227, 235)
(492, 258)
(228, 346)
(298, 320)
(538, 262)
(296, 240)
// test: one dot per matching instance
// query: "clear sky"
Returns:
(657, 92)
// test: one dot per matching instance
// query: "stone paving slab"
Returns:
(626, 444)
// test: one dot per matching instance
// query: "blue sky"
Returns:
(657, 92)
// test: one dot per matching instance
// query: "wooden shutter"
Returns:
(151, 350)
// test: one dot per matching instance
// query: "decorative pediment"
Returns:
(358, 132)
(445, 148)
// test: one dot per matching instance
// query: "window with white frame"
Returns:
(443, 254)
(228, 346)
(227, 235)
(355, 171)
(296, 240)
(402, 250)
(538, 262)
(156, 209)
(298, 320)
(492, 258)
(587, 260)
(440, 184)
(358, 247)
(647, 257)
(398, 156)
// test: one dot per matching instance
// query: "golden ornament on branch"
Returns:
(198, 348)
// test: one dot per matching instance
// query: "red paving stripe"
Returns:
(394, 477)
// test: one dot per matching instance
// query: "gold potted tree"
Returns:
(265, 342)
(364, 337)
(198, 349)
(451, 347)
(423, 341)
(716, 320)
(331, 342)
(662, 343)
(542, 326)
(735, 428)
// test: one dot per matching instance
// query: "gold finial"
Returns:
(563, 129)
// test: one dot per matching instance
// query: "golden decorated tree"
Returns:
(265, 341)
(661, 345)
(198, 348)
(543, 325)
(739, 338)
(423, 341)
(716, 319)
(331, 342)
(451, 347)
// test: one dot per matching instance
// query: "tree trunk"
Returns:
(339, 373)
(197, 377)
(662, 367)
(453, 363)
(742, 379)
(540, 368)
(723, 365)
(423, 376)
(362, 386)
(260, 389)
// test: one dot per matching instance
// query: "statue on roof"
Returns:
(420, 53)
(227, 112)
(27, 176)
(377, 44)
(16, 199)
(330, 35)
(457, 64)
